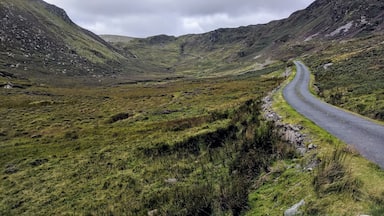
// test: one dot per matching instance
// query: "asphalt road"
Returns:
(365, 135)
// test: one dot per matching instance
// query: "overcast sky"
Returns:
(143, 18)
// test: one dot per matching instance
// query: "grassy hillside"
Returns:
(186, 56)
(237, 50)
(350, 74)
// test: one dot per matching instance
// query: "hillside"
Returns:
(39, 41)
(346, 34)
(224, 51)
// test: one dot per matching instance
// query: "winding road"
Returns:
(365, 135)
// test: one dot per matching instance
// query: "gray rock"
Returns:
(290, 136)
(312, 146)
(294, 210)
(10, 169)
(312, 165)
(295, 128)
(171, 181)
(301, 151)
(153, 212)
(8, 86)
(287, 132)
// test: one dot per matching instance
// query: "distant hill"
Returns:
(116, 38)
(39, 41)
(227, 49)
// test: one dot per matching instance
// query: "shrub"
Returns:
(71, 135)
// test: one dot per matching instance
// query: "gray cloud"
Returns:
(142, 18)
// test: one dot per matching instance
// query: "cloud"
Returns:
(142, 18)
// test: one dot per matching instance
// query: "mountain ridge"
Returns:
(323, 21)
(40, 40)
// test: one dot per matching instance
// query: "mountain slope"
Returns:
(39, 40)
(231, 48)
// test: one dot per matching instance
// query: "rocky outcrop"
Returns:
(287, 132)
(290, 133)
(26, 42)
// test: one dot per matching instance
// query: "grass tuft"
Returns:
(333, 176)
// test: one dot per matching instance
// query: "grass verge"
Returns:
(343, 183)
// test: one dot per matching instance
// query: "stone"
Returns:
(153, 212)
(312, 146)
(312, 164)
(171, 181)
(287, 132)
(10, 169)
(294, 210)
(301, 151)
(295, 128)
(8, 86)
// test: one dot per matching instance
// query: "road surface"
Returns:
(365, 135)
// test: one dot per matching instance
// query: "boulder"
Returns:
(153, 212)
(294, 210)
(8, 86)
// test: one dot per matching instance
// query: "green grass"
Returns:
(355, 80)
(190, 56)
(118, 149)
(343, 184)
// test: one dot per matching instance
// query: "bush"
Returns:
(71, 135)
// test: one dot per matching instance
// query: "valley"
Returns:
(132, 148)
(165, 125)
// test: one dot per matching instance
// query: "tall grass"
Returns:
(172, 148)
(334, 176)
